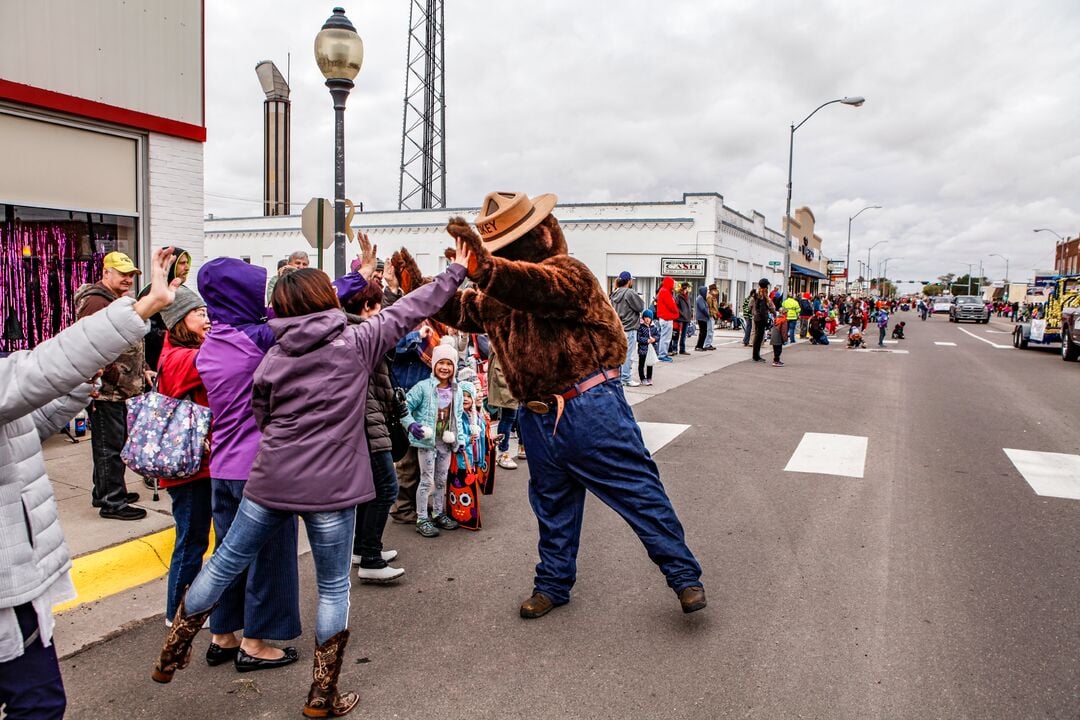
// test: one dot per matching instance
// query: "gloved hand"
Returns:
(417, 431)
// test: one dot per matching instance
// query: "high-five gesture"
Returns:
(368, 257)
(480, 263)
(162, 292)
(407, 271)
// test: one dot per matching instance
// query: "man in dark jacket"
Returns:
(628, 304)
(761, 306)
(686, 316)
(806, 311)
(703, 317)
(124, 379)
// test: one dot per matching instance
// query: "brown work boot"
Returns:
(538, 605)
(324, 699)
(176, 652)
(692, 599)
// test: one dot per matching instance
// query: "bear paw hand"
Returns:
(480, 266)
(406, 270)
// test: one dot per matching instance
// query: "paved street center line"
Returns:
(828, 454)
(1048, 474)
(982, 339)
(945, 344)
(883, 350)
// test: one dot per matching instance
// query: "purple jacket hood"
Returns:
(234, 291)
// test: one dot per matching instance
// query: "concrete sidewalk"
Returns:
(120, 566)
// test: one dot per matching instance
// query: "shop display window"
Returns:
(45, 256)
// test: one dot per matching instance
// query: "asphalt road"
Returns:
(938, 585)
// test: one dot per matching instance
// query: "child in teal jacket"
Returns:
(435, 430)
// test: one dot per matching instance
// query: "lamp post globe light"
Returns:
(847, 262)
(339, 52)
(852, 101)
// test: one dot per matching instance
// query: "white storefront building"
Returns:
(101, 141)
(697, 239)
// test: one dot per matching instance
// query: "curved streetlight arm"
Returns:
(847, 260)
(855, 101)
(868, 207)
(1049, 231)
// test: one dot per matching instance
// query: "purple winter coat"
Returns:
(310, 399)
(238, 339)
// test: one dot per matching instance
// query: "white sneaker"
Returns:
(387, 556)
(633, 383)
(506, 462)
(382, 575)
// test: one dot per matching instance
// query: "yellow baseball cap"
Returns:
(121, 263)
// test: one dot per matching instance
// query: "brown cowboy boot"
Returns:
(176, 652)
(324, 699)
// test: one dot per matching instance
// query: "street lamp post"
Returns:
(339, 52)
(854, 102)
(1051, 232)
(1006, 269)
(868, 265)
(884, 273)
(847, 262)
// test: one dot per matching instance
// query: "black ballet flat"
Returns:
(217, 655)
(248, 663)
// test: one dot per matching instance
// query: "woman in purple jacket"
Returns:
(265, 600)
(309, 399)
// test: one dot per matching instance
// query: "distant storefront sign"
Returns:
(683, 267)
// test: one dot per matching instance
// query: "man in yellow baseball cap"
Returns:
(121, 263)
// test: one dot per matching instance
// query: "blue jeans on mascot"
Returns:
(597, 446)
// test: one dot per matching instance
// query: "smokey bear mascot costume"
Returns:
(561, 345)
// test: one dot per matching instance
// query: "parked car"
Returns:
(940, 305)
(968, 307)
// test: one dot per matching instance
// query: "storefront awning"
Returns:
(807, 272)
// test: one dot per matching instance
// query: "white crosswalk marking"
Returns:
(982, 339)
(828, 454)
(1048, 474)
(945, 344)
(657, 435)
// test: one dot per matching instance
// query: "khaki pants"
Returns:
(408, 475)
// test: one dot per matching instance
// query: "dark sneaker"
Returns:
(445, 522)
(777, 363)
(538, 605)
(692, 599)
(426, 528)
(124, 512)
(131, 497)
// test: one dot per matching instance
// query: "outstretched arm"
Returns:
(459, 311)
(565, 282)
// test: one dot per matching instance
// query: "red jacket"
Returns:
(178, 378)
(666, 307)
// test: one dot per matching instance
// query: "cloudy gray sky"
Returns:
(970, 136)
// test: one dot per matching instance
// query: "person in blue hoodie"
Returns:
(703, 318)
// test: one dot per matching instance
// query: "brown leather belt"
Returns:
(542, 407)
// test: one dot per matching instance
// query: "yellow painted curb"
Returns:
(112, 570)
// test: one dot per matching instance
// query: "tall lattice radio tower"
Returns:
(423, 134)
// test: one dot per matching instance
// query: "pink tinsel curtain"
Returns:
(38, 289)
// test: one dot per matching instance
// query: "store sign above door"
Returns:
(683, 267)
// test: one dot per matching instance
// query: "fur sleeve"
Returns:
(462, 312)
(557, 287)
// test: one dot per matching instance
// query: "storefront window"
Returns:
(45, 256)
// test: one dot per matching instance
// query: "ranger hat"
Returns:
(506, 216)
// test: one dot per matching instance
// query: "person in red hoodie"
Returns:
(667, 312)
(186, 324)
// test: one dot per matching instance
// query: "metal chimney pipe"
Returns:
(276, 139)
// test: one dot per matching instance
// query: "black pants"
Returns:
(108, 433)
(371, 516)
(644, 373)
(776, 350)
(30, 685)
(759, 337)
(702, 329)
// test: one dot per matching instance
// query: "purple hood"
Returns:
(234, 292)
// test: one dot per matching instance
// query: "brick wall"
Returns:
(176, 195)
(1067, 257)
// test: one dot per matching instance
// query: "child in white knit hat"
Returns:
(435, 408)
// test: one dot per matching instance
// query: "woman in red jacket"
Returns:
(667, 312)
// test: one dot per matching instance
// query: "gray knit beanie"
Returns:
(186, 301)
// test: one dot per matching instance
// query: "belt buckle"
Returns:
(538, 407)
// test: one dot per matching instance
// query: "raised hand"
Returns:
(480, 264)
(406, 270)
(162, 292)
(368, 257)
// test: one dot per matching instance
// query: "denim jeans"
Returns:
(192, 514)
(665, 339)
(108, 433)
(709, 328)
(598, 448)
(371, 516)
(791, 330)
(881, 337)
(264, 601)
(30, 685)
(330, 534)
(507, 418)
(748, 326)
(683, 328)
(631, 351)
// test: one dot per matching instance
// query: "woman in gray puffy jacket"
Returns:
(41, 390)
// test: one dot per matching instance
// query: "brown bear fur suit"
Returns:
(548, 320)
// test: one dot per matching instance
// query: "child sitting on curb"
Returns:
(435, 408)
